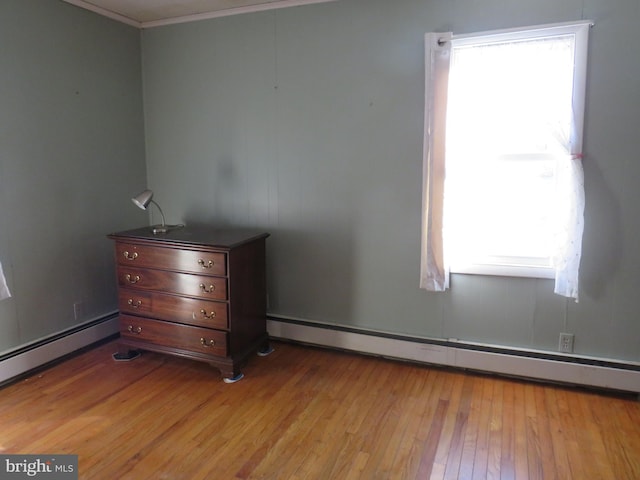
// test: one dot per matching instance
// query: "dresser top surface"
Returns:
(209, 236)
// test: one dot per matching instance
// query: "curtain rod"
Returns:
(535, 28)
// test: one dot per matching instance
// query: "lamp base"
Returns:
(161, 229)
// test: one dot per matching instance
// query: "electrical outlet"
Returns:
(565, 344)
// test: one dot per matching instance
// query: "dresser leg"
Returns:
(265, 350)
(125, 354)
(233, 379)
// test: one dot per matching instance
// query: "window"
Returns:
(504, 114)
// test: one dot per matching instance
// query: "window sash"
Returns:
(518, 242)
(579, 29)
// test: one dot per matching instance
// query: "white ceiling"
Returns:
(152, 13)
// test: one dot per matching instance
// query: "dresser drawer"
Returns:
(193, 261)
(210, 288)
(174, 335)
(192, 311)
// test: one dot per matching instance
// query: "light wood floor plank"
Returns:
(558, 435)
(508, 442)
(495, 432)
(481, 455)
(520, 432)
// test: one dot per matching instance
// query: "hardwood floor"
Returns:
(305, 413)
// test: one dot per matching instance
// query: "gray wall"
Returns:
(71, 156)
(307, 122)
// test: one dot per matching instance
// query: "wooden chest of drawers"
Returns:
(194, 292)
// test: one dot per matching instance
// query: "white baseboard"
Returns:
(61, 345)
(525, 364)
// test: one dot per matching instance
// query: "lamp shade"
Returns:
(143, 199)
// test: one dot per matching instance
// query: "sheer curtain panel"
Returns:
(434, 275)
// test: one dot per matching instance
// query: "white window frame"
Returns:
(507, 266)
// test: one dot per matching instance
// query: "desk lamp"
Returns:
(142, 200)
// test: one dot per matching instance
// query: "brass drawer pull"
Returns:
(135, 331)
(207, 343)
(130, 257)
(204, 288)
(209, 264)
(134, 305)
(132, 280)
(205, 315)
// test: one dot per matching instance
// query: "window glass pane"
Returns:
(511, 97)
(501, 209)
(508, 120)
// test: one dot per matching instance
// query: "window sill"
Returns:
(505, 270)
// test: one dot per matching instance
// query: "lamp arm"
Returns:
(161, 213)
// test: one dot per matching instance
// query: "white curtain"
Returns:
(570, 177)
(569, 226)
(434, 275)
(4, 290)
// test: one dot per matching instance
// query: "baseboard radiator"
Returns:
(528, 364)
(16, 363)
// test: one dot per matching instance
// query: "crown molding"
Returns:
(104, 12)
(195, 17)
